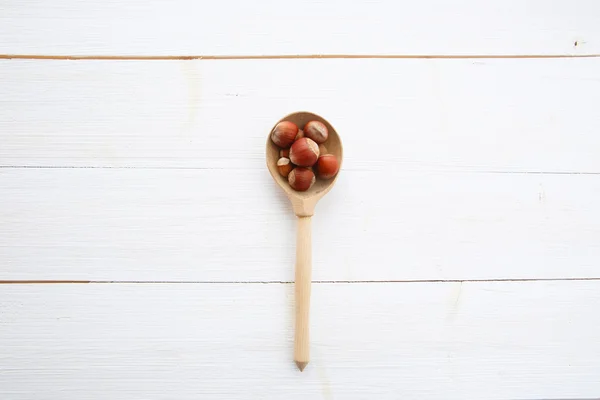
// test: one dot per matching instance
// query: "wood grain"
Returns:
(186, 27)
(433, 115)
(302, 289)
(429, 341)
(194, 225)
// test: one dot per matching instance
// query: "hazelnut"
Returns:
(304, 152)
(300, 134)
(301, 179)
(284, 166)
(317, 131)
(284, 133)
(284, 153)
(327, 166)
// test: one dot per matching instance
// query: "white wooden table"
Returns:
(145, 252)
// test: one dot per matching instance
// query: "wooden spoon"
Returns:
(303, 204)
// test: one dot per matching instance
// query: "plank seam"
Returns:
(456, 170)
(284, 57)
(276, 282)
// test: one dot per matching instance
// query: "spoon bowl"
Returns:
(304, 203)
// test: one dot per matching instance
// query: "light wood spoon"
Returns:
(303, 204)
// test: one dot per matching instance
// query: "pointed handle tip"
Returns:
(301, 365)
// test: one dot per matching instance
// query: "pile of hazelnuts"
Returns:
(303, 153)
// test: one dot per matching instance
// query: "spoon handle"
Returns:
(302, 291)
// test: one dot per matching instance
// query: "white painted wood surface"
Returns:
(474, 115)
(132, 173)
(194, 225)
(500, 340)
(238, 27)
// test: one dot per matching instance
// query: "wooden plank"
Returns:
(492, 115)
(221, 225)
(186, 27)
(497, 340)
